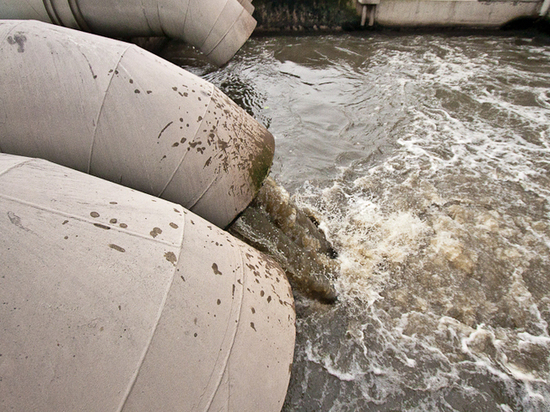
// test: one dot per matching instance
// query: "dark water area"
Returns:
(426, 160)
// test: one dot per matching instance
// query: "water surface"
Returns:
(426, 158)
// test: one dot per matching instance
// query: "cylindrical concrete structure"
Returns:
(116, 111)
(247, 4)
(544, 8)
(216, 27)
(114, 300)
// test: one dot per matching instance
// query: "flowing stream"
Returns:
(425, 158)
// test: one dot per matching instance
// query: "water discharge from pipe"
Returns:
(276, 226)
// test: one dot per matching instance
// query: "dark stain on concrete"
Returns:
(215, 269)
(117, 248)
(16, 220)
(155, 232)
(163, 129)
(18, 39)
(171, 257)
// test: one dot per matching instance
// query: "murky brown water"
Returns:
(426, 159)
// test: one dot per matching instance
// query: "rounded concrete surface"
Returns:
(216, 27)
(118, 112)
(116, 300)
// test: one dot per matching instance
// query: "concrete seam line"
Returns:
(159, 315)
(143, 10)
(52, 14)
(31, 5)
(184, 19)
(101, 107)
(214, 25)
(212, 88)
(233, 338)
(15, 167)
(159, 19)
(214, 180)
(78, 17)
(228, 31)
(79, 218)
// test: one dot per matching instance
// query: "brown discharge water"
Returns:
(273, 224)
(425, 159)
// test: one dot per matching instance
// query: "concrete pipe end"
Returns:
(143, 123)
(232, 41)
(117, 300)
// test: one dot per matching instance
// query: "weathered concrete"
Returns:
(114, 300)
(291, 15)
(113, 110)
(452, 13)
(216, 27)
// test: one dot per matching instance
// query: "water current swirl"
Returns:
(426, 160)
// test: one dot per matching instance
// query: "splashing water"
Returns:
(275, 226)
(426, 158)
(445, 245)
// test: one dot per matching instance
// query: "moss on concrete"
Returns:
(261, 164)
(294, 15)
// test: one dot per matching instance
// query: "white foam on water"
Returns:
(446, 245)
(437, 153)
(444, 239)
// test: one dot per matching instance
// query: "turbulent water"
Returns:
(426, 158)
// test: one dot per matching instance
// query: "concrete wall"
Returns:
(346, 14)
(464, 13)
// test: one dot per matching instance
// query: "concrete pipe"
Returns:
(118, 112)
(544, 8)
(114, 300)
(216, 27)
(247, 4)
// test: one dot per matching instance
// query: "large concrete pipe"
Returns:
(247, 4)
(544, 8)
(118, 112)
(216, 27)
(114, 300)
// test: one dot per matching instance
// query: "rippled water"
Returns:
(427, 160)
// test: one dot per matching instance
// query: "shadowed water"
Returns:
(426, 160)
